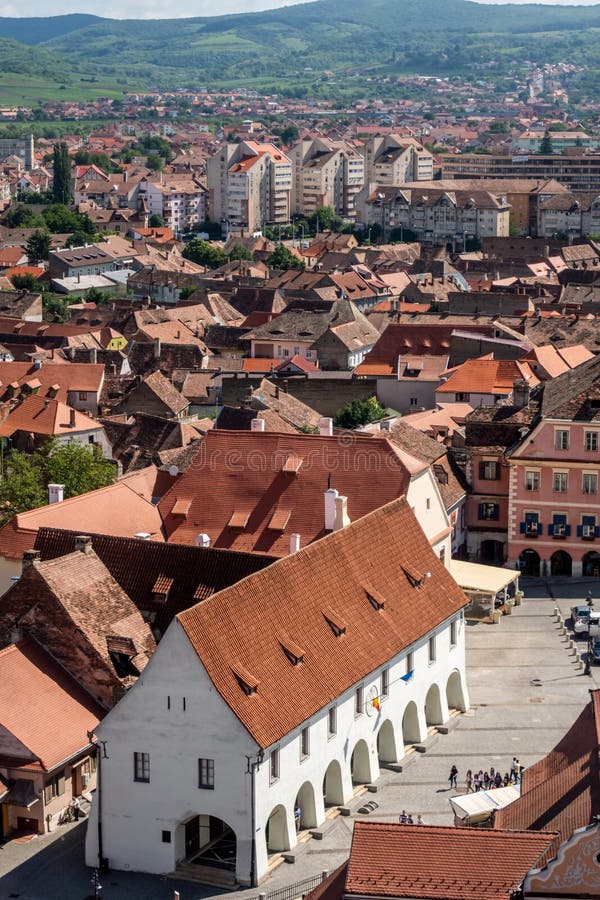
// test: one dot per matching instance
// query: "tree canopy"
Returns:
(62, 173)
(204, 253)
(359, 412)
(38, 247)
(283, 258)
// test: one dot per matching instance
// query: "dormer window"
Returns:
(376, 600)
(293, 651)
(335, 623)
(247, 681)
(161, 588)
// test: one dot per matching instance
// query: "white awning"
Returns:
(487, 579)
(477, 807)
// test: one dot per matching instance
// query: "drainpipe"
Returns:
(102, 867)
(253, 766)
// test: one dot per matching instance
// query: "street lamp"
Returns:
(301, 236)
(293, 236)
(369, 235)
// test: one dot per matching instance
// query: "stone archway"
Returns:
(433, 706)
(561, 563)
(411, 731)
(333, 787)
(386, 743)
(491, 552)
(360, 764)
(277, 833)
(454, 692)
(208, 841)
(590, 564)
(529, 562)
(305, 801)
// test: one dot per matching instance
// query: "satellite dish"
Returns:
(173, 471)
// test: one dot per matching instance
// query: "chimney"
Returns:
(341, 513)
(143, 536)
(29, 557)
(16, 634)
(37, 364)
(56, 493)
(294, 543)
(521, 393)
(93, 356)
(83, 543)
(203, 540)
(330, 497)
(257, 425)
(71, 418)
(156, 348)
(277, 392)
(325, 427)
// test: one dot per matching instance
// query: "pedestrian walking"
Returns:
(403, 817)
(512, 767)
(486, 780)
(477, 781)
(297, 817)
(469, 781)
(420, 820)
(409, 820)
(589, 598)
(517, 772)
(452, 777)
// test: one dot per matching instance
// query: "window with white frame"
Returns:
(432, 649)
(304, 743)
(141, 767)
(206, 774)
(561, 439)
(532, 480)
(274, 765)
(560, 482)
(359, 701)
(591, 440)
(589, 483)
(332, 721)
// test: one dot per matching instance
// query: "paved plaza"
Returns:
(525, 688)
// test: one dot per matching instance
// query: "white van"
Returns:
(594, 623)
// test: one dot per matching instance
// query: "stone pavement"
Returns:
(509, 716)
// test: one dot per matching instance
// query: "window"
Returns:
(558, 527)
(532, 480)
(55, 787)
(166, 837)
(488, 470)
(588, 529)
(83, 395)
(461, 397)
(531, 526)
(453, 632)
(206, 774)
(410, 663)
(561, 439)
(428, 503)
(489, 511)
(385, 683)
(274, 765)
(560, 482)
(591, 440)
(358, 701)
(91, 439)
(141, 767)
(414, 401)
(443, 556)
(332, 721)
(304, 743)
(432, 649)
(590, 483)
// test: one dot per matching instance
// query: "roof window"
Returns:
(376, 599)
(335, 622)
(247, 681)
(293, 651)
(239, 518)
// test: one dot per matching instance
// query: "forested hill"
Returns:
(296, 44)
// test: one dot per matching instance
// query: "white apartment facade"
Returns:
(326, 173)
(392, 159)
(180, 201)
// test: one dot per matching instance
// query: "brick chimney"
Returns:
(29, 558)
(83, 543)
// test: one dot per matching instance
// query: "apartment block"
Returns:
(392, 159)
(326, 173)
(180, 200)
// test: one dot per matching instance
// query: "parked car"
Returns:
(595, 650)
(594, 624)
(580, 618)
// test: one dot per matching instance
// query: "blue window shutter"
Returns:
(551, 529)
(539, 527)
(580, 531)
(481, 510)
(522, 527)
(568, 530)
(597, 531)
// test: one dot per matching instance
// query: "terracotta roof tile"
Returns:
(67, 376)
(487, 376)
(42, 706)
(242, 626)
(46, 417)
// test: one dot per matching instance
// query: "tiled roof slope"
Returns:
(428, 338)
(487, 376)
(47, 417)
(42, 706)
(575, 394)
(296, 413)
(562, 791)
(135, 565)
(240, 628)
(65, 376)
(390, 860)
(242, 472)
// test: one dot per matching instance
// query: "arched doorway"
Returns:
(411, 733)
(491, 553)
(561, 563)
(433, 706)
(305, 801)
(333, 789)
(529, 563)
(386, 743)
(209, 842)
(590, 564)
(454, 692)
(360, 764)
(277, 835)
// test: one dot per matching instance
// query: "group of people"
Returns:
(407, 819)
(487, 781)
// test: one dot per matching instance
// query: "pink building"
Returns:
(554, 517)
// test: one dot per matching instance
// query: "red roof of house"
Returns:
(248, 635)
(299, 362)
(243, 472)
(487, 376)
(39, 415)
(392, 860)
(42, 706)
(79, 377)
(427, 339)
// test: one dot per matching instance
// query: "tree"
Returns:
(289, 134)
(62, 173)
(282, 258)
(27, 282)
(156, 221)
(38, 247)
(155, 162)
(546, 145)
(22, 485)
(359, 412)
(79, 468)
(238, 251)
(55, 307)
(204, 253)
(22, 217)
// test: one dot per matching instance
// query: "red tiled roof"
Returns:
(487, 376)
(392, 860)
(40, 415)
(68, 376)
(42, 706)
(239, 630)
(237, 471)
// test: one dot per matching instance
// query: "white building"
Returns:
(393, 159)
(179, 199)
(283, 691)
(326, 173)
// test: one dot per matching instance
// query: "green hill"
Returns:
(289, 48)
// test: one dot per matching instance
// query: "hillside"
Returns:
(289, 48)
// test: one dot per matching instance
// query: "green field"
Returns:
(28, 90)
